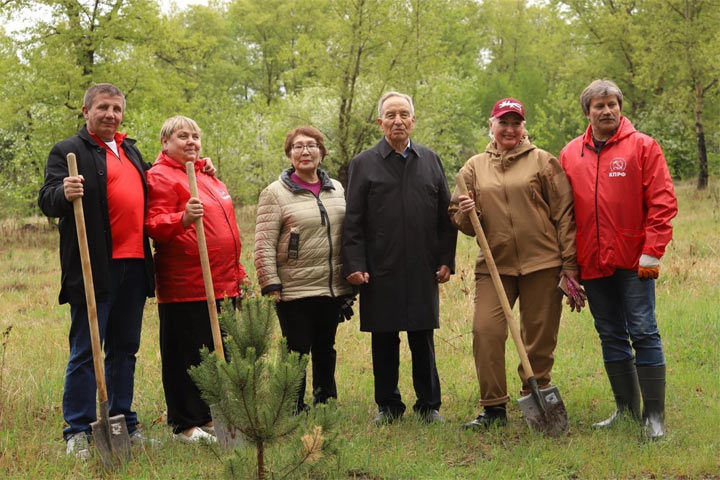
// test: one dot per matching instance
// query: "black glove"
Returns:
(346, 303)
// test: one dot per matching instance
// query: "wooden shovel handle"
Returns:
(205, 264)
(490, 262)
(98, 357)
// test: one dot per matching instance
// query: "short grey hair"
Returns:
(106, 88)
(600, 88)
(395, 94)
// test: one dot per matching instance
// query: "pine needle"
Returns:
(312, 444)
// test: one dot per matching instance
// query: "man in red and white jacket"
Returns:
(624, 201)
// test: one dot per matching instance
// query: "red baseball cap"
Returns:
(507, 105)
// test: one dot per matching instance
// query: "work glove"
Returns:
(346, 303)
(570, 287)
(649, 267)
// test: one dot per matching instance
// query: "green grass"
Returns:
(688, 309)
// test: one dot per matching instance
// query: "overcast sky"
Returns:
(28, 16)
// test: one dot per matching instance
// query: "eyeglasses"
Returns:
(299, 148)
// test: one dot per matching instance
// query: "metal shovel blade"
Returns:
(554, 420)
(227, 436)
(111, 439)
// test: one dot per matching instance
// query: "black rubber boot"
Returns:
(492, 416)
(652, 385)
(626, 389)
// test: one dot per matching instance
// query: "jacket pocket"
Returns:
(540, 216)
(629, 247)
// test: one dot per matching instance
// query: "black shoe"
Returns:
(432, 416)
(494, 416)
(386, 418)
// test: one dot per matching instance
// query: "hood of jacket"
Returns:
(624, 130)
(504, 159)
(164, 159)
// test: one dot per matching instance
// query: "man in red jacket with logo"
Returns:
(624, 201)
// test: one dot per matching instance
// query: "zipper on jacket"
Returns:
(507, 202)
(325, 220)
(235, 243)
(597, 214)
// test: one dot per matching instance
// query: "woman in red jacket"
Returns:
(182, 304)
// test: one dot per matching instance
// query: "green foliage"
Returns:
(255, 393)
(248, 71)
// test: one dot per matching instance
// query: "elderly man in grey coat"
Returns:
(398, 245)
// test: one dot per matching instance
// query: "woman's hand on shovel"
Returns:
(193, 211)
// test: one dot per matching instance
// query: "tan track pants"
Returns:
(540, 309)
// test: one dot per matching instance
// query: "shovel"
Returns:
(228, 438)
(543, 409)
(110, 434)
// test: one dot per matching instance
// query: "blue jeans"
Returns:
(623, 306)
(119, 322)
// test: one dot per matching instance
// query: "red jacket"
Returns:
(624, 200)
(177, 263)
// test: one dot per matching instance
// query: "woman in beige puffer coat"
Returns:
(297, 257)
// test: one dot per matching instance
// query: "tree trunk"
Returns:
(700, 137)
(261, 461)
(342, 175)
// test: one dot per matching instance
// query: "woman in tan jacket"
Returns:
(297, 257)
(526, 208)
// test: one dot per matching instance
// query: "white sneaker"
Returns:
(78, 446)
(138, 439)
(197, 436)
(208, 429)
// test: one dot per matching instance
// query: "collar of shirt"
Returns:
(386, 149)
(118, 139)
(406, 151)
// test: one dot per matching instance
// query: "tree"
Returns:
(255, 394)
(76, 44)
(689, 28)
(667, 51)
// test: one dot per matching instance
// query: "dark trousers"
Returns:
(386, 363)
(184, 330)
(119, 322)
(309, 325)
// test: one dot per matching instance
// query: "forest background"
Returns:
(248, 71)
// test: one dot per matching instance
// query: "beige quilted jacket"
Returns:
(297, 239)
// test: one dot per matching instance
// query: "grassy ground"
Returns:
(33, 355)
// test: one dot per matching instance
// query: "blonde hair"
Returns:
(175, 123)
